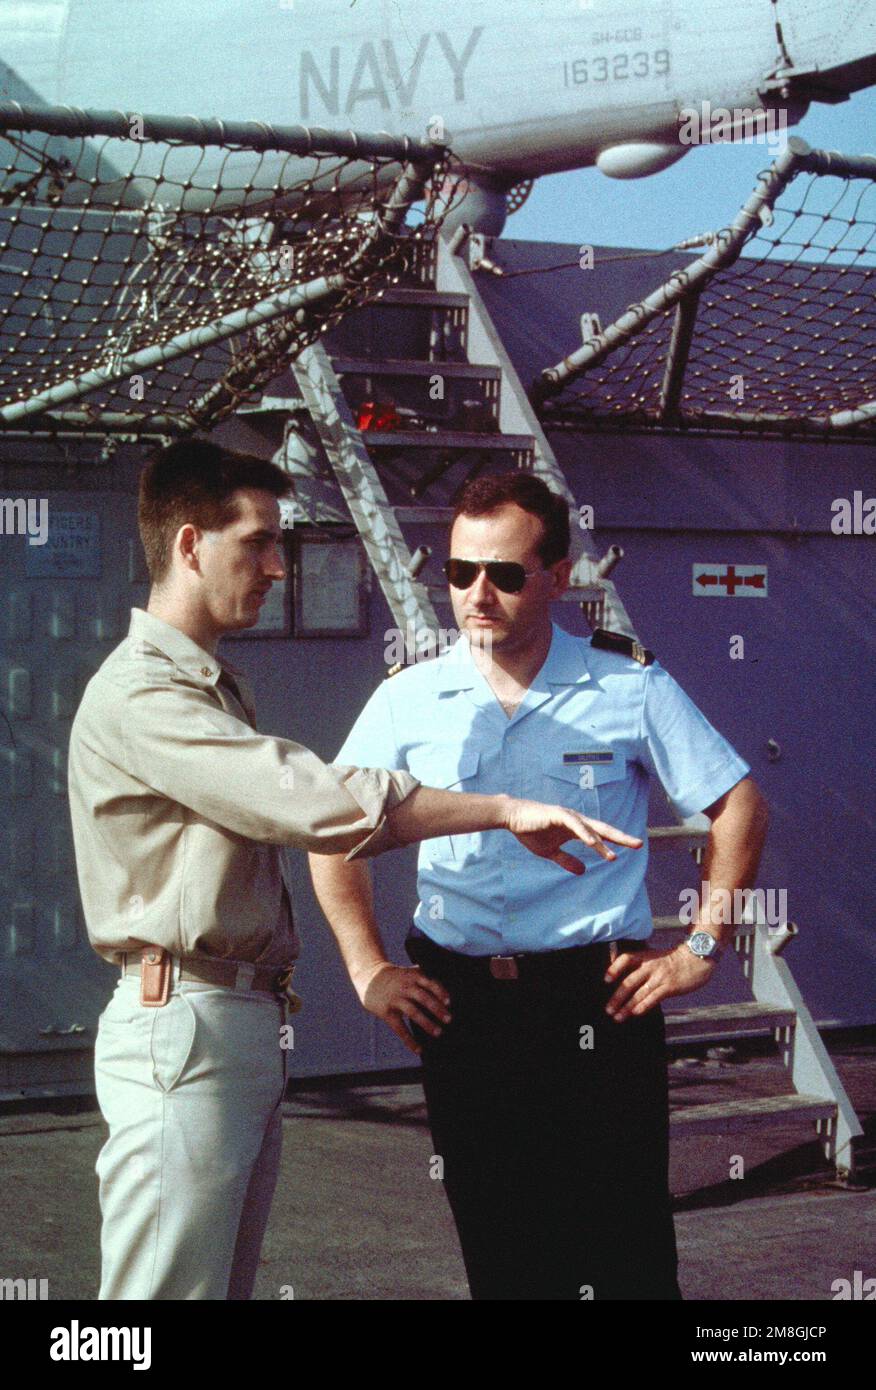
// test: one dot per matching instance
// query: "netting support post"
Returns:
(726, 249)
(676, 361)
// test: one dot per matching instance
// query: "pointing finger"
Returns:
(610, 832)
(583, 830)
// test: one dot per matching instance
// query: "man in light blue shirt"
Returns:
(534, 1001)
(589, 730)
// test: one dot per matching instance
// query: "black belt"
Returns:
(570, 962)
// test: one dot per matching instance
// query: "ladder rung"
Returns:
(722, 1020)
(743, 1114)
(446, 439)
(387, 366)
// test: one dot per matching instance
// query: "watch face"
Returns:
(702, 943)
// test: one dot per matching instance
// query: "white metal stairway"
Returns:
(462, 349)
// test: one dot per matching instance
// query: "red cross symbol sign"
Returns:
(730, 581)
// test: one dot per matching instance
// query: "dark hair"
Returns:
(493, 490)
(193, 481)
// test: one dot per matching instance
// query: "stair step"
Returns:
(387, 366)
(744, 1114)
(672, 924)
(447, 439)
(676, 837)
(727, 1020)
(439, 516)
(438, 299)
(265, 404)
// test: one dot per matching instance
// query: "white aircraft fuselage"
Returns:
(520, 88)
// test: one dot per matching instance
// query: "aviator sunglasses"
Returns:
(507, 576)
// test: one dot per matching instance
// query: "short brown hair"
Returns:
(493, 490)
(193, 481)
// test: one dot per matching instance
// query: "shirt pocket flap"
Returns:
(444, 769)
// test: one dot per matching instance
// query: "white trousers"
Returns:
(191, 1092)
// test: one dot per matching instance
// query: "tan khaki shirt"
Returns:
(179, 805)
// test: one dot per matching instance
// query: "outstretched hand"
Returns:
(543, 829)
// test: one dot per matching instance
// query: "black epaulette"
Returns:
(624, 646)
(394, 670)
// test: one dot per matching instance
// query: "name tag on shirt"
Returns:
(591, 756)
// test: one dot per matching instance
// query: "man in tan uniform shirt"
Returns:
(179, 806)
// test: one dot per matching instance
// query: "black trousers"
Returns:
(552, 1124)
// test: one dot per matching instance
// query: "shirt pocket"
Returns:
(454, 770)
(585, 787)
(610, 787)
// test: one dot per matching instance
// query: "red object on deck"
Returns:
(378, 415)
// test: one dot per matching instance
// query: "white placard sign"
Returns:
(730, 581)
(72, 548)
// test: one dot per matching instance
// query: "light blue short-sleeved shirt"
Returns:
(592, 728)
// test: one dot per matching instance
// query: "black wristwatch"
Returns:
(703, 944)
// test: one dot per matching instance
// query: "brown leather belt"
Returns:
(155, 968)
